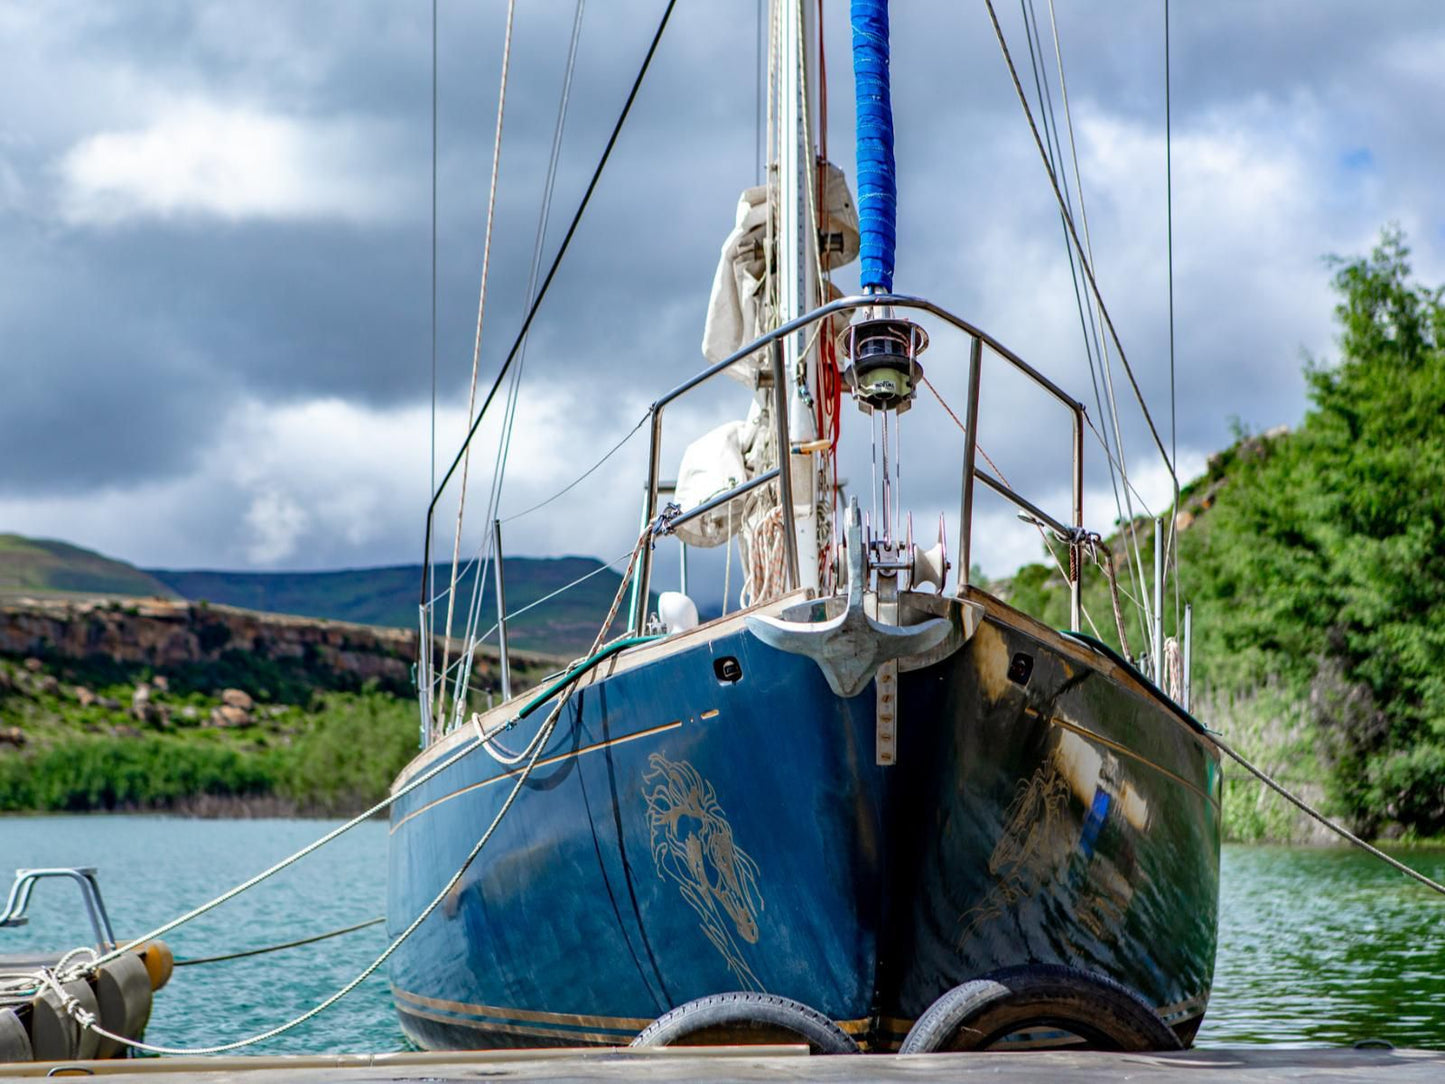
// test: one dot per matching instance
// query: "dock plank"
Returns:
(1250, 1065)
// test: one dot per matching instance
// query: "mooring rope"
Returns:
(289, 860)
(284, 945)
(87, 1019)
(48, 977)
(1339, 829)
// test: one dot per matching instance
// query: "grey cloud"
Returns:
(123, 349)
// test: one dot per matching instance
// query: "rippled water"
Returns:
(1328, 946)
(1316, 946)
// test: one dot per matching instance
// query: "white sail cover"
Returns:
(736, 312)
(712, 465)
(735, 308)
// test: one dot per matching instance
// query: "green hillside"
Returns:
(389, 596)
(367, 596)
(371, 596)
(41, 566)
(1315, 560)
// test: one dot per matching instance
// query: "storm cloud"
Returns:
(215, 247)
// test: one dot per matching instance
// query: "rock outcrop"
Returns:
(168, 634)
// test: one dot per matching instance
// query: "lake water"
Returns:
(1317, 947)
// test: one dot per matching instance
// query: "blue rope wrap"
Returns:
(877, 187)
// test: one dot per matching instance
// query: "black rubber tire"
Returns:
(1105, 1014)
(746, 1018)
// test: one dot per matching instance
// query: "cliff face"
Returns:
(169, 634)
(119, 703)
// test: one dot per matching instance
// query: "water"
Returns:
(1317, 947)
(154, 868)
(1327, 946)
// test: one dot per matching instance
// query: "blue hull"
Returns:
(684, 835)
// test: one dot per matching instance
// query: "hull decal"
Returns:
(693, 846)
(544, 762)
(1027, 849)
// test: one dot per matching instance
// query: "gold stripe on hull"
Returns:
(552, 1025)
(651, 732)
(616, 1023)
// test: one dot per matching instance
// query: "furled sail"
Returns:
(737, 311)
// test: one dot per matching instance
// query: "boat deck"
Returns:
(1250, 1064)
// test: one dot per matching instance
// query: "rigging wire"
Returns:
(1087, 327)
(1085, 254)
(1055, 159)
(549, 186)
(430, 575)
(477, 343)
(1123, 504)
(601, 568)
(509, 412)
(585, 474)
(551, 274)
(1173, 551)
(1073, 233)
(1078, 244)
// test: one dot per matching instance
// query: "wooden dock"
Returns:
(1247, 1064)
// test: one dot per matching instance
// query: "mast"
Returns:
(797, 271)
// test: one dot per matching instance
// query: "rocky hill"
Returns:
(565, 624)
(110, 703)
(562, 625)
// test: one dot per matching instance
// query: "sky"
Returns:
(216, 250)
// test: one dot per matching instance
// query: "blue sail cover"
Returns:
(877, 187)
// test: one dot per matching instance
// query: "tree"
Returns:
(1327, 557)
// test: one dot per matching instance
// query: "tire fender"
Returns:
(746, 1018)
(1105, 1014)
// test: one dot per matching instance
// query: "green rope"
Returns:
(576, 670)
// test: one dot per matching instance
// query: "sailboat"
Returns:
(876, 808)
